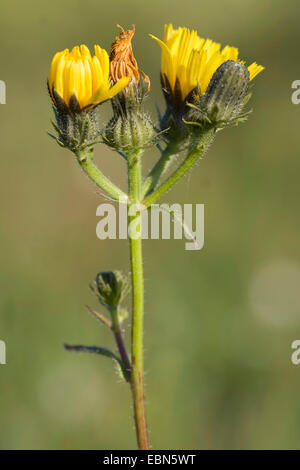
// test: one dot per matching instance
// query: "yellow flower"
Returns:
(188, 60)
(78, 74)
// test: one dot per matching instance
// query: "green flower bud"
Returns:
(130, 133)
(224, 98)
(110, 288)
(130, 129)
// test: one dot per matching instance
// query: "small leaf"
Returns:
(102, 352)
(106, 321)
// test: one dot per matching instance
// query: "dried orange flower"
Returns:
(122, 60)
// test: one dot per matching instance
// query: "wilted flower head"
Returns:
(122, 60)
(189, 60)
(130, 129)
(78, 80)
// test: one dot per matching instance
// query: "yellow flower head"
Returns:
(77, 74)
(188, 60)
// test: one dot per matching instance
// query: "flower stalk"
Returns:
(116, 328)
(161, 166)
(197, 150)
(102, 181)
(137, 279)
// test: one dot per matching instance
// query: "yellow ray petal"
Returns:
(103, 58)
(97, 74)
(254, 70)
(72, 81)
(167, 66)
(59, 75)
(105, 93)
(53, 67)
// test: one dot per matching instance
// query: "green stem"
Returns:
(161, 166)
(116, 328)
(137, 362)
(197, 150)
(104, 183)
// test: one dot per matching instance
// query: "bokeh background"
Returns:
(220, 321)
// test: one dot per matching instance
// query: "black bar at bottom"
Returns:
(93, 459)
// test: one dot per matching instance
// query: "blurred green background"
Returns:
(220, 321)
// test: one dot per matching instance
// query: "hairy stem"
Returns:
(137, 368)
(196, 151)
(104, 183)
(116, 328)
(161, 166)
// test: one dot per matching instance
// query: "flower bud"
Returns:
(224, 98)
(110, 287)
(130, 133)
